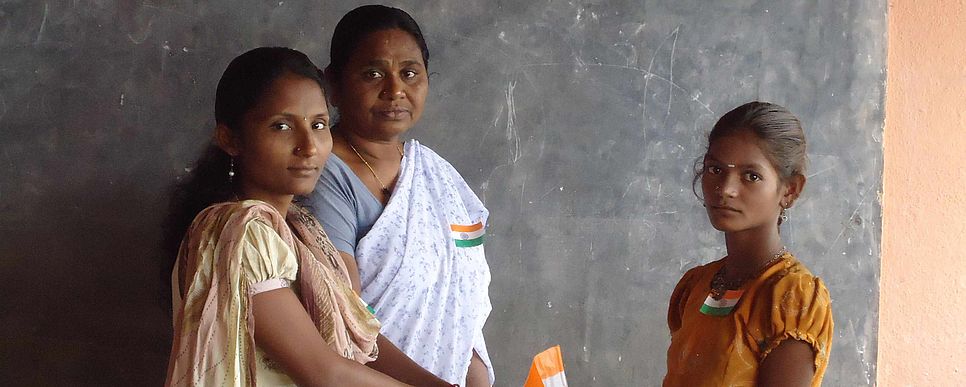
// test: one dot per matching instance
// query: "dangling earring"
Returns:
(231, 169)
(782, 217)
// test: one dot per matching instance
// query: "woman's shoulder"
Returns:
(429, 153)
(791, 272)
(794, 304)
(240, 207)
(790, 281)
(237, 215)
(433, 161)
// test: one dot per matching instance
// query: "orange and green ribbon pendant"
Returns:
(721, 307)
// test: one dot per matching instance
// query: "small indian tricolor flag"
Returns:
(547, 370)
(721, 307)
(365, 305)
(467, 235)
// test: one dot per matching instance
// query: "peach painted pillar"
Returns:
(922, 299)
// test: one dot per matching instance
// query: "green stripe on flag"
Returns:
(469, 242)
(712, 311)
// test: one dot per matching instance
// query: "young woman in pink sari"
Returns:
(260, 295)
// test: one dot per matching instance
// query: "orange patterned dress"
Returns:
(722, 347)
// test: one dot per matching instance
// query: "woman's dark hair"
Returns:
(359, 23)
(781, 134)
(241, 87)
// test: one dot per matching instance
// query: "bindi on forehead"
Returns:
(733, 164)
(740, 149)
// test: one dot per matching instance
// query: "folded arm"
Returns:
(286, 333)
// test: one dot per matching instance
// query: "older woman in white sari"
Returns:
(406, 224)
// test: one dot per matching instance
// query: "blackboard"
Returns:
(577, 122)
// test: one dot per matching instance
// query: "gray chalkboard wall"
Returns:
(576, 121)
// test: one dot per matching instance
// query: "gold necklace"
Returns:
(719, 285)
(385, 189)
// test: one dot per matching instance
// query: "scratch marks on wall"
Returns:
(43, 24)
(143, 34)
(852, 221)
(666, 50)
(511, 131)
(670, 96)
(649, 74)
(3, 107)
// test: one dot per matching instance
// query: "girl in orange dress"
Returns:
(756, 317)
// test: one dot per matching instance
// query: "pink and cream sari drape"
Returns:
(213, 342)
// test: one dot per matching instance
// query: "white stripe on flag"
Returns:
(558, 380)
(467, 235)
(722, 303)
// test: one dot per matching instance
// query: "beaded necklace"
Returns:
(719, 285)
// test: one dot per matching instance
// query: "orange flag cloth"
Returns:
(547, 370)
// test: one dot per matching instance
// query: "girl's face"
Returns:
(383, 86)
(284, 141)
(742, 189)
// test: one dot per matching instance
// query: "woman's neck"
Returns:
(371, 147)
(749, 250)
(376, 162)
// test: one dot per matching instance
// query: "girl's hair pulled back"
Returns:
(779, 132)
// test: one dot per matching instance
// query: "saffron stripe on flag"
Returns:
(466, 228)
